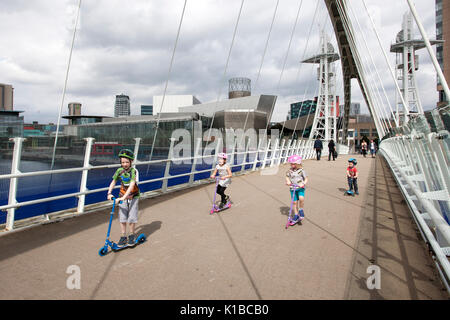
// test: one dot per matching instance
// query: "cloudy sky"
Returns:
(126, 46)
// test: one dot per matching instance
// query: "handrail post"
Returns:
(297, 147)
(288, 150)
(274, 151)
(265, 154)
(293, 147)
(13, 182)
(214, 162)
(301, 149)
(84, 175)
(278, 161)
(136, 150)
(255, 162)
(245, 155)
(194, 162)
(167, 170)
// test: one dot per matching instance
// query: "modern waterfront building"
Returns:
(237, 112)
(74, 109)
(11, 126)
(296, 127)
(173, 102)
(302, 108)
(239, 87)
(124, 130)
(83, 119)
(122, 106)
(355, 109)
(6, 97)
(146, 110)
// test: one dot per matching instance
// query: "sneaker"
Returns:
(301, 213)
(294, 220)
(131, 240)
(357, 192)
(122, 241)
(221, 205)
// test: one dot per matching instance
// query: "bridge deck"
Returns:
(240, 253)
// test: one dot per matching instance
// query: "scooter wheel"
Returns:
(141, 238)
(103, 251)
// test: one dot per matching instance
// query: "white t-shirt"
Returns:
(296, 176)
(222, 171)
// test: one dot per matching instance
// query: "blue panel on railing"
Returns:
(38, 187)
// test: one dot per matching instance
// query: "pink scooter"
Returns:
(215, 207)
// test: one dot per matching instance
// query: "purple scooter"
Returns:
(215, 207)
(288, 223)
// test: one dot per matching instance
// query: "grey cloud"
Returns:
(126, 48)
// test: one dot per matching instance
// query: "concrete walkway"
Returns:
(241, 253)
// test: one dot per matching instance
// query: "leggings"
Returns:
(221, 191)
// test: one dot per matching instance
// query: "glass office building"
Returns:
(146, 110)
(302, 108)
(122, 106)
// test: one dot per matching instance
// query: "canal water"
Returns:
(31, 188)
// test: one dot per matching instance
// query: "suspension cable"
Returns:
(167, 82)
(373, 63)
(300, 65)
(226, 68)
(260, 66)
(65, 85)
(405, 104)
(282, 71)
(382, 115)
(380, 125)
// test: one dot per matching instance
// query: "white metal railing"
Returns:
(274, 155)
(420, 164)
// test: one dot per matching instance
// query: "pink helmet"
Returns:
(295, 159)
(222, 155)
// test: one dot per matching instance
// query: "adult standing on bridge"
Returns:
(318, 146)
(331, 150)
(364, 148)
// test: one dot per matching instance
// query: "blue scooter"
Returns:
(114, 246)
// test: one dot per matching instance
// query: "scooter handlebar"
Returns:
(114, 199)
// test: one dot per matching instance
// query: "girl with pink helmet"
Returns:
(224, 178)
(296, 176)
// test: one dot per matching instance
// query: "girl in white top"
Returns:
(224, 178)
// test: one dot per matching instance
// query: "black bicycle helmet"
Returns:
(126, 153)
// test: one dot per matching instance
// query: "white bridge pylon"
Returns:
(324, 125)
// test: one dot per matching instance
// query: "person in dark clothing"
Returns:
(318, 146)
(331, 150)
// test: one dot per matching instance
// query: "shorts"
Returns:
(128, 211)
(298, 193)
